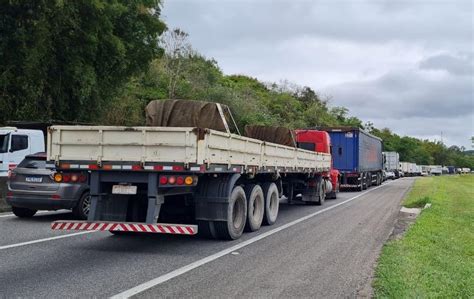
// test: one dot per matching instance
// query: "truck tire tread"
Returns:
(269, 189)
(254, 193)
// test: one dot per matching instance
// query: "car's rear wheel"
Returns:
(23, 212)
(81, 211)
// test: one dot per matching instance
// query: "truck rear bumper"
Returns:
(158, 228)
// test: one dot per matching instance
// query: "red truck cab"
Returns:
(319, 141)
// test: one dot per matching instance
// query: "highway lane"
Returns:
(99, 264)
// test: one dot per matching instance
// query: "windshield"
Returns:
(4, 143)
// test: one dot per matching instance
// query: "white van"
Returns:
(15, 144)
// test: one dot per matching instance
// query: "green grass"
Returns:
(436, 256)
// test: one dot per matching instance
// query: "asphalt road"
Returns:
(311, 251)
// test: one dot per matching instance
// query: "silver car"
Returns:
(33, 187)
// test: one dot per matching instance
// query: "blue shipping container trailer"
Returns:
(358, 157)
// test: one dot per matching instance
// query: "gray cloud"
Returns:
(463, 65)
(406, 94)
(407, 65)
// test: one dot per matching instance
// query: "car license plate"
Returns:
(124, 189)
(32, 179)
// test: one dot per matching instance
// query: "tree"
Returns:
(177, 48)
(67, 60)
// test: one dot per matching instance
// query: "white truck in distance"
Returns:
(16, 144)
(410, 169)
(214, 181)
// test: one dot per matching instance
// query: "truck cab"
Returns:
(319, 141)
(16, 144)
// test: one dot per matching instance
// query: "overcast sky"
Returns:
(406, 65)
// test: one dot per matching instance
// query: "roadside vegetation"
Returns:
(436, 256)
(101, 62)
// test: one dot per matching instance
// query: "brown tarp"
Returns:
(184, 113)
(278, 135)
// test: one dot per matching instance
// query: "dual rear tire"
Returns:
(255, 207)
(248, 209)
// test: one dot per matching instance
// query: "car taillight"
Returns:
(180, 180)
(171, 180)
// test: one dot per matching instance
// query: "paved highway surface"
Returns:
(311, 251)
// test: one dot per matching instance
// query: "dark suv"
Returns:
(33, 187)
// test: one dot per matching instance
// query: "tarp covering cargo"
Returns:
(279, 135)
(185, 113)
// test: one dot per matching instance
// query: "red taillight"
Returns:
(9, 194)
(136, 167)
(55, 196)
(163, 180)
(171, 180)
(93, 166)
(74, 177)
(82, 178)
(178, 168)
(180, 180)
(158, 167)
(66, 178)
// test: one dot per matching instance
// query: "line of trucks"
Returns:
(187, 171)
(394, 169)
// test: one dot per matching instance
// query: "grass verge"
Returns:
(436, 256)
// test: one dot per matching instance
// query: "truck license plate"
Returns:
(31, 179)
(124, 189)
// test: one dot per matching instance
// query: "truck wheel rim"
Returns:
(237, 212)
(256, 207)
(273, 203)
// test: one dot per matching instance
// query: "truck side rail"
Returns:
(173, 145)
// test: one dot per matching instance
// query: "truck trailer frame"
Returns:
(215, 182)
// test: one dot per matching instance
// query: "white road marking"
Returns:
(44, 240)
(180, 271)
(42, 213)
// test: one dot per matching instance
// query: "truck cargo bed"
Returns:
(177, 145)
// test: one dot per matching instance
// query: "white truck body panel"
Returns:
(410, 168)
(391, 161)
(436, 169)
(175, 145)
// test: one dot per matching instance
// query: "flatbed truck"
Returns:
(216, 182)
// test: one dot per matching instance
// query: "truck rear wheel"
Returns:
(272, 203)
(206, 229)
(23, 212)
(236, 216)
(321, 193)
(255, 207)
